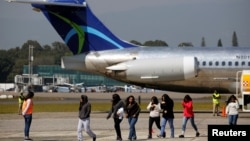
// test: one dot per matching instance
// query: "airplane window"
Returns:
(243, 63)
(229, 63)
(236, 63)
(248, 63)
(210, 63)
(204, 63)
(216, 63)
(223, 63)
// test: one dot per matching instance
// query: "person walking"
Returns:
(154, 108)
(167, 106)
(20, 103)
(188, 114)
(84, 119)
(132, 111)
(117, 104)
(232, 110)
(27, 110)
(216, 103)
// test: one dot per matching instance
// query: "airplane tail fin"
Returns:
(81, 30)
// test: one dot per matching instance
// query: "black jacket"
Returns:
(167, 108)
(133, 110)
(115, 108)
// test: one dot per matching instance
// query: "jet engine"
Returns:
(156, 70)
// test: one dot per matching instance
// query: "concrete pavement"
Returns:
(62, 127)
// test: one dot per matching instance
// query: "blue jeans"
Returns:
(171, 125)
(132, 133)
(232, 119)
(27, 120)
(184, 123)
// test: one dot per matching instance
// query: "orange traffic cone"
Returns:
(223, 111)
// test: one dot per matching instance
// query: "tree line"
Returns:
(186, 44)
(13, 60)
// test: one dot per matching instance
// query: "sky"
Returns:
(172, 21)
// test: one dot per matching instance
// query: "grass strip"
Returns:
(96, 106)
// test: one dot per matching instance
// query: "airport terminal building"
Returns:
(43, 75)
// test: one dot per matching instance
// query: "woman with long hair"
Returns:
(188, 113)
(167, 106)
(132, 110)
(154, 108)
(116, 110)
(232, 110)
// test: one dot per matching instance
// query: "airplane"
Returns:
(75, 87)
(179, 69)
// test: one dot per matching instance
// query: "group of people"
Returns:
(155, 108)
(166, 108)
(130, 109)
(119, 109)
(231, 110)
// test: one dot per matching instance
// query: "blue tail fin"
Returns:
(81, 30)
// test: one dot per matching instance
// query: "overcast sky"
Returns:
(173, 21)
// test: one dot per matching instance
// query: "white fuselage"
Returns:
(189, 69)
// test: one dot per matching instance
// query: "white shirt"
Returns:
(232, 108)
(120, 112)
(156, 111)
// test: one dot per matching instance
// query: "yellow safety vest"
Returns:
(20, 99)
(216, 98)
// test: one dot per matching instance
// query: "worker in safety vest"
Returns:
(216, 103)
(20, 102)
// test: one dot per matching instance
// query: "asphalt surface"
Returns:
(61, 126)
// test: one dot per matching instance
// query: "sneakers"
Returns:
(118, 139)
(181, 136)
(149, 136)
(164, 134)
(159, 136)
(27, 139)
(197, 134)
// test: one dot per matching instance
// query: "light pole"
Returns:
(30, 63)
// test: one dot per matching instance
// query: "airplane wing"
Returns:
(68, 84)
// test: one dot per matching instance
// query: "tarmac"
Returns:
(61, 126)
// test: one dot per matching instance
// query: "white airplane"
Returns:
(97, 50)
(75, 87)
